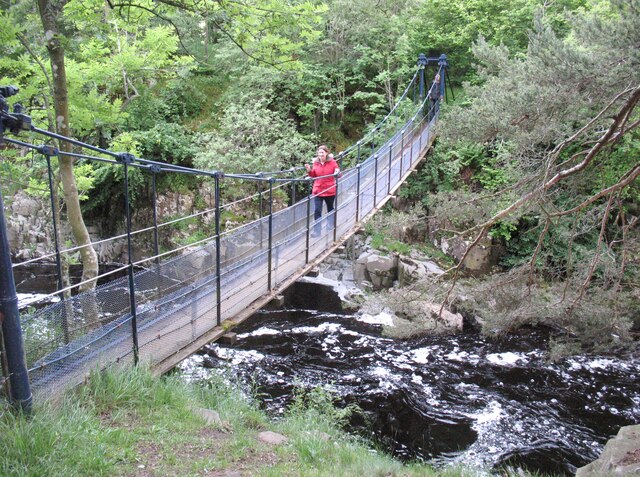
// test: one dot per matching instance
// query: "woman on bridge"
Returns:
(324, 189)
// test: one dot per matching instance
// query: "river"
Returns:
(463, 398)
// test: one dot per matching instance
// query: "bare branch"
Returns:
(541, 237)
(596, 258)
(556, 151)
(630, 176)
(607, 138)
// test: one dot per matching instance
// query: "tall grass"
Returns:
(68, 440)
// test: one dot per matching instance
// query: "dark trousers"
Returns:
(317, 211)
(434, 106)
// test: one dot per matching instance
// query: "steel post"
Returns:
(54, 216)
(218, 267)
(132, 286)
(373, 142)
(335, 213)
(422, 63)
(306, 254)
(390, 164)
(413, 135)
(19, 387)
(358, 195)
(270, 232)
(154, 199)
(293, 192)
(375, 181)
(401, 153)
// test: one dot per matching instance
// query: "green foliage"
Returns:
(380, 242)
(615, 165)
(417, 188)
(554, 259)
(464, 164)
(319, 404)
(21, 172)
(387, 229)
(146, 110)
(166, 142)
(177, 100)
(503, 230)
(451, 27)
(107, 201)
(252, 138)
(197, 236)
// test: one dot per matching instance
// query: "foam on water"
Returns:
(506, 359)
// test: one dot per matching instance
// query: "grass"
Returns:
(127, 422)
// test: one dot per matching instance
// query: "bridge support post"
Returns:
(154, 200)
(358, 194)
(373, 142)
(48, 152)
(260, 199)
(127, 159)
(13, 348)
(375, 180)
(443, 63)
(401, 153)
(390, 164)
(306, 253)
(413, 135)
(270, 253)
(422, 63)
(386, 130)
(217, 219)
(335, 213)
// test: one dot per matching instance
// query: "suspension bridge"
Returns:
(164, 307)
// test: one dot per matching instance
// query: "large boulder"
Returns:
(383, 270)
(412, 314)
(380, 270)
(360, 268)
(621, 456)
(411, 270)
(479, 260)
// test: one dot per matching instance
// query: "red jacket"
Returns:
(326, 186)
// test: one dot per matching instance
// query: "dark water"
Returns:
(452, 399)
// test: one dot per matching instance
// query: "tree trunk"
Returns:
(50, 13)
